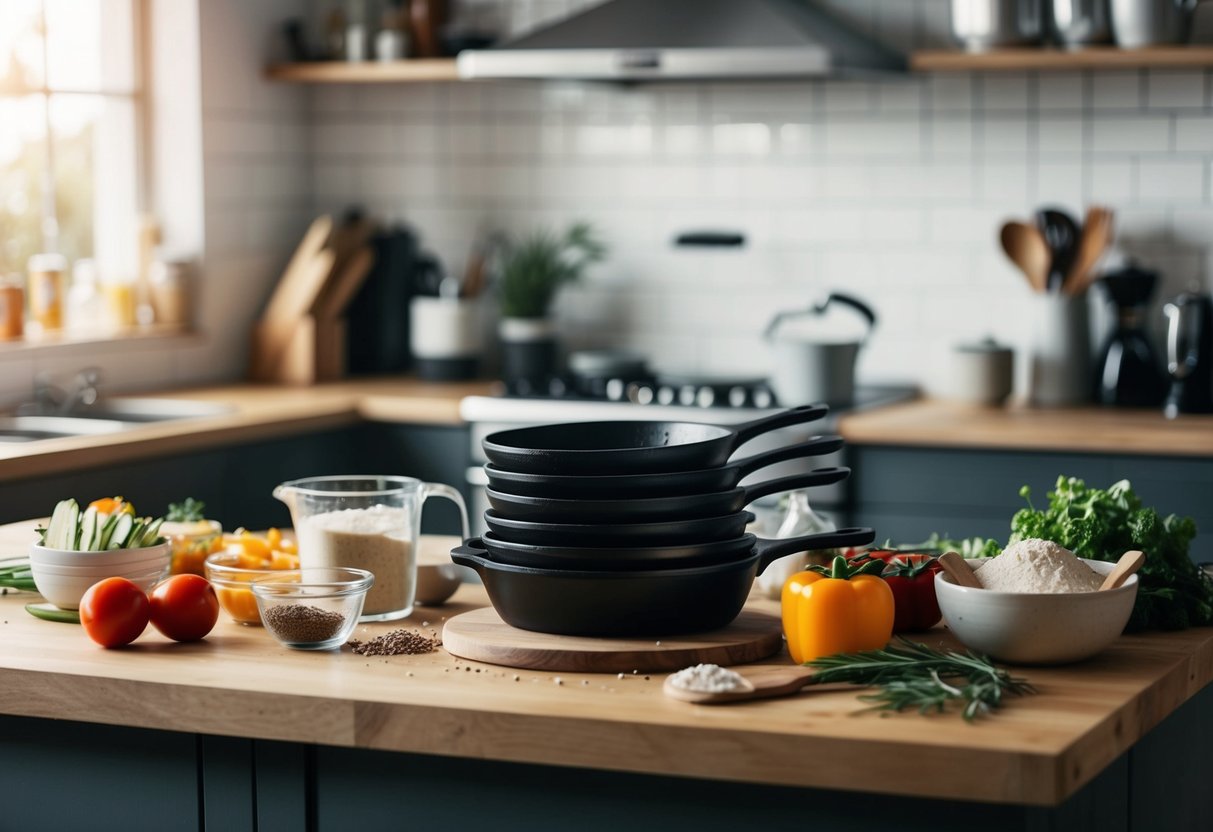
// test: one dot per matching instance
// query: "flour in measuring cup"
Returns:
(375, 539)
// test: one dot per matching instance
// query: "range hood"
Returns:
(656, 40)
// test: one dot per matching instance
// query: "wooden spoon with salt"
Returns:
(1129, 563)
(959, 571)
(760, 683)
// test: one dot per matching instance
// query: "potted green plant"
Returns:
(532, 270)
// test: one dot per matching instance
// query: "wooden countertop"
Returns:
(239, 682)
(944, 424)
(257, 412)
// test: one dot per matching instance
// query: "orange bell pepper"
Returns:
(845, 609)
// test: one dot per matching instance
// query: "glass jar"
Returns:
(46, 281)
(12, 308)
(798, 520)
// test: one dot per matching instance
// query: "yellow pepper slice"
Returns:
(843, 610)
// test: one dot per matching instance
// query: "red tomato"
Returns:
(185, 607)
(114, 612)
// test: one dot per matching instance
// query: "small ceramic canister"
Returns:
(983, 372)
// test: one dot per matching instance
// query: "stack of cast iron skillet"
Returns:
(634, 528)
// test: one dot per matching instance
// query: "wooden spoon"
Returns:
(1129, 563)
(760, 683)
(1026, 247)
(959, 570)
(1092, 243)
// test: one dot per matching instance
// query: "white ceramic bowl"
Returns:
(63, 580)
(1025, 628)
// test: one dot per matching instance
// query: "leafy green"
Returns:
(971, 547)
(188, 510)
(535, 267)
(913, 675)
(1103, 524)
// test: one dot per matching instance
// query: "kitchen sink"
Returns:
(146, 410)
(33, 428)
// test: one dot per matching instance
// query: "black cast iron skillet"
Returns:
(638, 558)
(672, 533)
(631, 447)
(654, 603)
(613, 486)
(654, 509)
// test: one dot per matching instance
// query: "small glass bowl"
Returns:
(191, 544)
(312, 609)
(233, 584)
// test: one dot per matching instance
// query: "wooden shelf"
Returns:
(368, 72)
(1100, 57)
(938, 60)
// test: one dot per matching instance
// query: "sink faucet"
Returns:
(52, 400)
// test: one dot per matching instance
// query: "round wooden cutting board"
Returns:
(482, 636)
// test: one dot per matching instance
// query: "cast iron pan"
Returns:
(649, 557)
(651, 603)
(654, 509)
(630, 447)
(673, 533)
(613, 486)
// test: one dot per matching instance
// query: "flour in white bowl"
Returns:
(1038, 567)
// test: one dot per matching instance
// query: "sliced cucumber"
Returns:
(152, 533)
(134, 539)
(107, 532)
(61, 527)
(88, 529)
(122, 530)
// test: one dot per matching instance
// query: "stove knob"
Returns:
(763, 398)
(686, 395)
(640, 394)
(705, 397)
(665, 395)
(557, 388)
(615, 389)
(738, 396)
(523, 387)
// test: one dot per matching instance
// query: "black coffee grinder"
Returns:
(1189, 354)
(1129, 373)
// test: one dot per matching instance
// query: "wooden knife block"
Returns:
(315, 352)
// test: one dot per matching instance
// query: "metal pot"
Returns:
(812, 366)
(1139, 23)
(1076, 23)
(980, 25)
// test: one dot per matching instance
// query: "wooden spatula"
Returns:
(1129, 563)
(760, 683)
(1027, 249)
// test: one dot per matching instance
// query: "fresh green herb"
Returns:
(187, 511)
(971, 547)
(1103, 524)
(535, 267)
(913, 675)
(17, 576)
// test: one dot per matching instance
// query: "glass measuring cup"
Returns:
(370, 522)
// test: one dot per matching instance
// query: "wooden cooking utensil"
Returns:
(1129, 563)
(1027, 249)
(1094, 240)
(959, 570)
(760, 683)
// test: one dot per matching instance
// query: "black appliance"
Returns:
(1190, 354)
(1129, 372)
(378, 330)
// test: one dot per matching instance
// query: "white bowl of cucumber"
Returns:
(106, 540)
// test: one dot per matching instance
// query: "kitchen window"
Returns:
(70, 125)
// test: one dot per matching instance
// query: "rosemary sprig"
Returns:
(912, 675)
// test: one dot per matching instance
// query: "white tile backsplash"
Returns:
(892, 189)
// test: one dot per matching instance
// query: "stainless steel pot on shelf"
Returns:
(1077, 23)
(981, 25)
(1141, 23)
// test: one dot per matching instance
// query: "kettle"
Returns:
(815, 353)
(1189, 354)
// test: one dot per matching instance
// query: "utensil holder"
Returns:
(1059, 358)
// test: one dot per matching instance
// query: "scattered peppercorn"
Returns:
(395, 643)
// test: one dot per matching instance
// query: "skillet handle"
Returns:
(816, 446)
(770, 551)
(795, 416)
(470, 554)
(822, 476)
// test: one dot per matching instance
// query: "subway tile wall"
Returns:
(893, 190)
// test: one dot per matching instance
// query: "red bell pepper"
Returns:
(912, 579)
